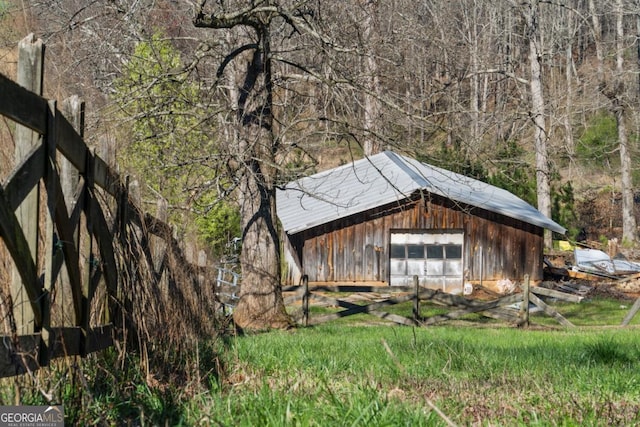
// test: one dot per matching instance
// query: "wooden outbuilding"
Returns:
(388, 217)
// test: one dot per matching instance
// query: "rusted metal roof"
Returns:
(385, 178)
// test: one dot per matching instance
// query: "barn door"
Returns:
(435, 257)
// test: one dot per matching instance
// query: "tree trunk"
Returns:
(543, 186)
(371, 144)
(474, 52)
(568, 128)
(629, 232)
(260, 304)
(253, 155)
(597, 39)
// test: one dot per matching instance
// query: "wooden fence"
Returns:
(459, 306)
(77, 241)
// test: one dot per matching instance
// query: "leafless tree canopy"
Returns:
(441, 72)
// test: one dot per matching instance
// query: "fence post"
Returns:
(117, 312)
(305, 300)
(201, 266)
(30, 75)
(159, 247)
(47, 338)
(416, 299)
(106, 151)
(524, 308)
(91, 262)
(73, 111)
(129, 292)
(159, 242)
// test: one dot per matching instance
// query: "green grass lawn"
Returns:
(346, 375)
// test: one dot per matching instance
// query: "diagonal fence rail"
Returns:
(456, 306)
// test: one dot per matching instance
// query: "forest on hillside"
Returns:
(538, 97)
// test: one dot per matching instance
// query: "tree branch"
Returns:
(232, 55)
(498, 71)
(248, 16)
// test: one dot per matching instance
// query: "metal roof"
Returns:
(385, 178)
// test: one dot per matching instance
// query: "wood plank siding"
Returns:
(356, 248)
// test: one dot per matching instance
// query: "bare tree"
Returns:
(597, 38)
(530, 12)
(371, 107)
(629, 231)
(255, 148)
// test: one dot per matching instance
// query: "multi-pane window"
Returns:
(412, 251)
(435, 258)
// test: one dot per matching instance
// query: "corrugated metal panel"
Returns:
(385, 178)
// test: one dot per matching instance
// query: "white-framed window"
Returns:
(436, 257)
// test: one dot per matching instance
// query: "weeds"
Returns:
(605, 350)
(110, 388)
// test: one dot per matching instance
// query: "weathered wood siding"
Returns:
(356, 248)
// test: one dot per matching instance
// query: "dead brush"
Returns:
(167, 304)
